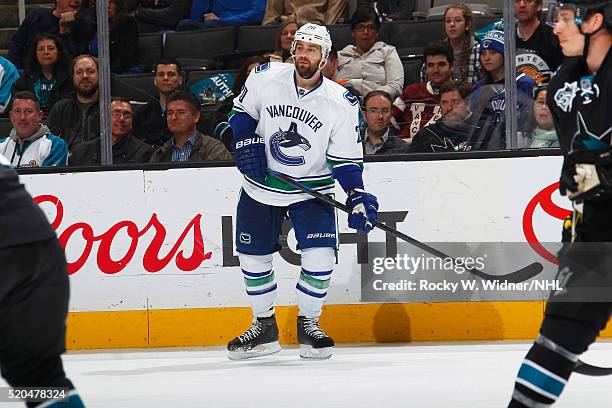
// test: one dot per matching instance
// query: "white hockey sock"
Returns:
(317, 267)
(260, 284)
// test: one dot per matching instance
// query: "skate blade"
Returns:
(259, 351)
(310, 353)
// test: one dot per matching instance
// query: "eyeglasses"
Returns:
(124, 115)
(360, 28)
(376, 111)
(88, 71)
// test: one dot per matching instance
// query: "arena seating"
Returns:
(226, 47)
(5, 127)
(135, 87)
(199, 48)
(255, 40)
(150, 49)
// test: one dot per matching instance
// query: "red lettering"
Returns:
(105, 262)
(151, 260)
(88, 236)
(544, 199)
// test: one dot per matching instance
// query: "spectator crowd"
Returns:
(49, 81)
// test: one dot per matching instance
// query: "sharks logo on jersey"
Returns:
(290, 141)
(586, 140)
(447, 145)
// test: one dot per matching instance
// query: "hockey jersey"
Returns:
(417, 107)
(581, 104)
(42, 149)
(306, 133)
(8, 76)
(488, 102)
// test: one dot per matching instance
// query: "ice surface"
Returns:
(445, 375)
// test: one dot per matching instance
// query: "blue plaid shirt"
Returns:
(182, 154)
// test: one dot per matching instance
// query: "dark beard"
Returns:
(306, 73)
(87, 92)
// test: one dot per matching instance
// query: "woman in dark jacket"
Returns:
(47, 72)
(122, 37)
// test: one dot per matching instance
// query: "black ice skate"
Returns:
(260, 340)
(314, 343)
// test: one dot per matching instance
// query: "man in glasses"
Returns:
(580, 99)
(378, 134)
(126, 148)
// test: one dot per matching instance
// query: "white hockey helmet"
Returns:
(314, 34)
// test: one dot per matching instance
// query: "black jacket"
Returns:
(156, 19)
(21, 219)
(126, 151)
(63, 87)
(438, 137)
(396, 9)
(65, 120)
(150, 124)
(41, 20)
(122, 44)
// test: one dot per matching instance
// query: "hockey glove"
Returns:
(567, 185)
(593, 175)
(364, 210)
(251, 156)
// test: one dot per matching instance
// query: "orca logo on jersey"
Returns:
(289, 139)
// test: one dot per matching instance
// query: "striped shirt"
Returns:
(182, 154)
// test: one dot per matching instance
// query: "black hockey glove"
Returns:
(567, 185)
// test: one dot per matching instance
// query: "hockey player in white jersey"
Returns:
(291, 120)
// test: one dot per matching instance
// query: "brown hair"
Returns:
(80, 57)
(121, 12)
(242, 75)
(372, 94)
(463, 90)
(27, 95)
(278, 49)
(467, 41)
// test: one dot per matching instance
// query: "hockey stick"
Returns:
(591, 370)
(521, 275)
